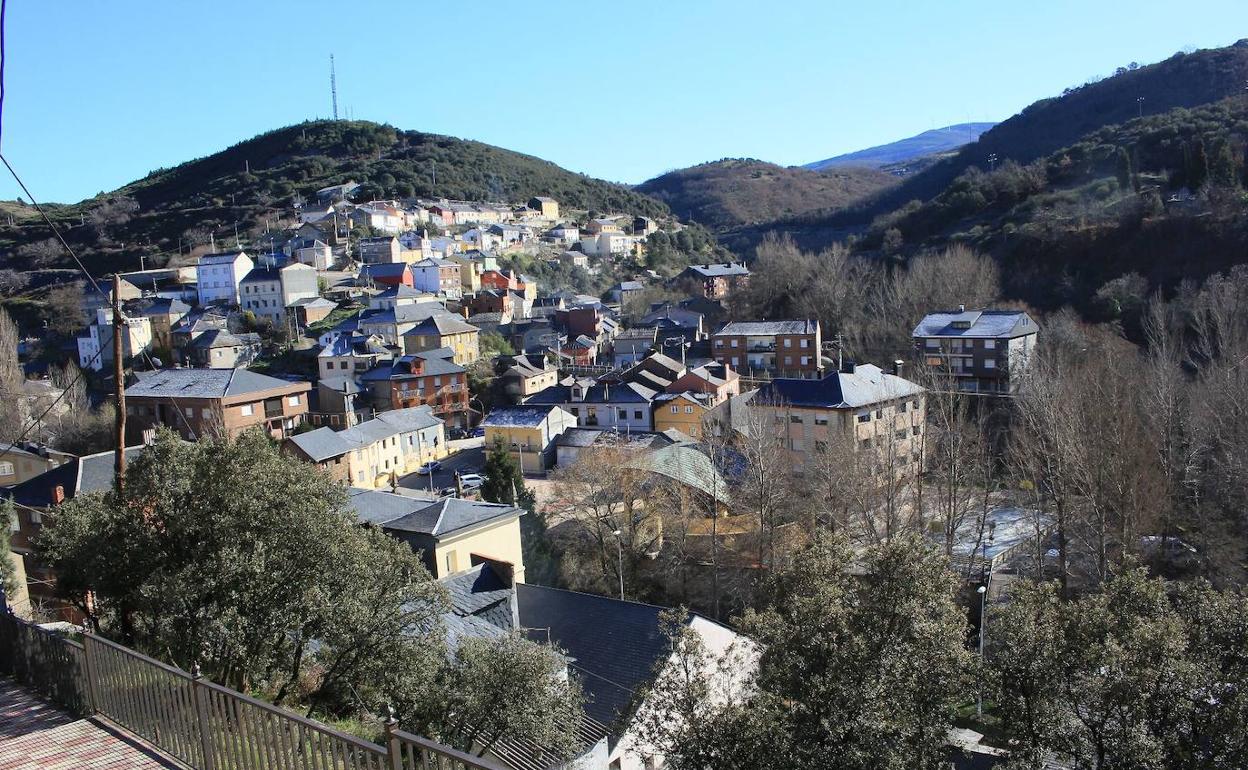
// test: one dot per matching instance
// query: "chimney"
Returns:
(58, 495)
(897, 367)
(961, 308)
(417, 365)
(848, 366)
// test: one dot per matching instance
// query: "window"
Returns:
(734, 343)
(805, 360)
(788, 360)
(901, 408)
(990, 363)
(293, 401)
(788, 343)
(797, 445)
(637, 414)
(795, 419)
(935, 344)
(675, 410)
(6, 468)
(866, 443)
(821, 446)
(900, 434)
(821, 419)
(864, 417)
(576, 411)
(734, 360)
(915, 430)
(879, 413)
(248, 409)
(990, 344)
(623, 414)
(719, 343)
(805, 342)
(451, 561)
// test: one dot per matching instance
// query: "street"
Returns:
(467, 456)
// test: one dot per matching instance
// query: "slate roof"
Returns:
(321, 444)
(614, 644)
(265, 273)
(448, 515)
(217, 338)
(402, 291)
(982, 323)
(719, 271)
(480, 591)
(763, 328)
(441, 324)
(686, 465)
(325, 443)
(866, 385)
(587, 437)
(80, 475)
(150, 306)
(516, 416)
(383, 270)
(220, 258)
(313, 302)
(205, 383)
(599, 393)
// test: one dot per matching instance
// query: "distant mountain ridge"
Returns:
(933, 142)
(738, 191)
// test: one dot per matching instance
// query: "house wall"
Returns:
(208, 416)
(805, 429)
(687, 419)
(17, 466)
(500, 541)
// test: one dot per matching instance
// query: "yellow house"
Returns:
(451, 535)
(444, 331)
(529, 432)
(19, 462)
(681, 411)
(547, 207)
(375, 453)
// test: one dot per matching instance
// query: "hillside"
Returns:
(934, 142)
(740, 191)
(1182, 81)
(1100, 224)
(258, 179)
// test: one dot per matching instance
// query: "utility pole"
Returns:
(119, 374)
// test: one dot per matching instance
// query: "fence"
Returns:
(203, 725)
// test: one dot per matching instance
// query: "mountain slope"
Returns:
(740, 191)
(938, 140)
(256, 180)
(1183, 80)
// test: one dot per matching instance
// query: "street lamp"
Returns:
(619, 542)
(979, 696)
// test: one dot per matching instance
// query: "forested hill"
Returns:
(258, 178)
(739, 191)
(1184, 80)
(1102, 223)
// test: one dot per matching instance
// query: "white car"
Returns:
(471, 480)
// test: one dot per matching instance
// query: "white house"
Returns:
(95, 344)
(217, 276)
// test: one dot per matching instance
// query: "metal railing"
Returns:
(201, 724)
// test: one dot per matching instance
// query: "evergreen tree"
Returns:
(8, 572)
(503, 481)
(1197, 166)
(1222, 163)
(1123, 169)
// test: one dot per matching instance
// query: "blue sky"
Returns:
(99, 93)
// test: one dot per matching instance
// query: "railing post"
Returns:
(88, 641)
(394, 748)
(199, 695)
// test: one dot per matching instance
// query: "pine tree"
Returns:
(503, 480)
(8, 572)
(1198, 166)
(1124, 169)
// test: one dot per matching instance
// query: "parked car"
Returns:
(448, 492)
(455, 434)
(430, 467)
(478, 432)
(471, 480)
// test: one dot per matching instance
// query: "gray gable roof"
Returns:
(81, 475)
(516, 416)
(763, 328)
(976, 323)
(720, 271)
(204, 383)
(865, 386)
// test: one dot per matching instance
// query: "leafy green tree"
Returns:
(494, 344)
(1135, 676)
(854, 672)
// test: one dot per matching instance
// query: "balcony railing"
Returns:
(203, 725)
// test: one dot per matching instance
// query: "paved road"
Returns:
(468, 457)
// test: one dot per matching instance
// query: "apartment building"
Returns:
(217, 276)
(205, 402)
(985, 351)
(444, 331)
(784, 348)
(376, 452)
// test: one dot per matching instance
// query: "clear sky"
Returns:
(100, 93)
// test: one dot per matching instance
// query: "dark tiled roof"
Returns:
(450, 515)
(977, 323)
(614, 644)
(867, 384)
(516, 416)
(480, 591)
(81, 475)
(719, 271)
(204, 383)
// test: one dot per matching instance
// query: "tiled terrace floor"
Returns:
(36, 735)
